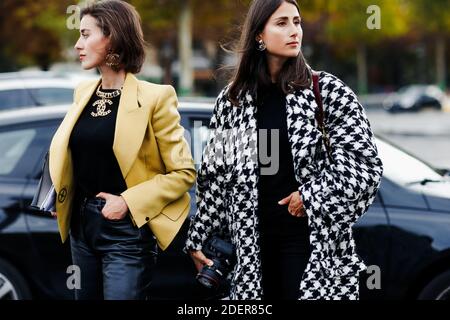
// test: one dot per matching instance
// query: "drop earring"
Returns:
(261, 45)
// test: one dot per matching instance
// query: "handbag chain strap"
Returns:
(319, 113)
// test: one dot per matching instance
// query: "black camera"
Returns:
(221, 253)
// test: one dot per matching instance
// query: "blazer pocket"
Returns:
(175, 210)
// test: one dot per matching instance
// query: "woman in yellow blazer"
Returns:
(119, 161)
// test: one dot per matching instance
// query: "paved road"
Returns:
(425, 134)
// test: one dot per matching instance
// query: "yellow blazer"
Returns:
(153, 156)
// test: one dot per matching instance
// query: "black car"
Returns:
(415, 98)
(404, 238)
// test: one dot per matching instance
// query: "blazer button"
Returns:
(62, 195)
(147, 218)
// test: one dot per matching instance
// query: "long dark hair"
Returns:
(252, 69)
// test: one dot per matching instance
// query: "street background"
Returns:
(375, 46)
(426, 136)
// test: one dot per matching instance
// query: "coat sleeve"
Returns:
(341, 192)
(147, 199)
(211, 183)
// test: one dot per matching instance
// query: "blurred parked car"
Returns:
(36, 88)
(415, 98)
(404, 237)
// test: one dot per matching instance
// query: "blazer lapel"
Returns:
(131, 125)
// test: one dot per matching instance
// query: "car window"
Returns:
(377, 200)
(403, 168)
(22, 149)
(199, 133)
(13, 145)
(52, 96)
(10, 99)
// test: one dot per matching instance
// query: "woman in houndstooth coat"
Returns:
(333, 190)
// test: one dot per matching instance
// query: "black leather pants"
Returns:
(116, 259)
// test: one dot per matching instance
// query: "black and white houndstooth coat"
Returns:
(334, 194)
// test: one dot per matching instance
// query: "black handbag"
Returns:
(45, 197)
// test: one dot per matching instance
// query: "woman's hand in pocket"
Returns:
(115, 207)
(295, 203)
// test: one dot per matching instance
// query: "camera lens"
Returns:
(221, 253)
(206, 282)
(208, 278)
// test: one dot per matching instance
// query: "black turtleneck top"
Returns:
(271, 115)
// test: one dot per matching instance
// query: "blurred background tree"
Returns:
(431, 21)
(32, 33)
(173, 26)
(411, 45)
(346, 26)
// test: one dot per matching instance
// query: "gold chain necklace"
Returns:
(101, 104)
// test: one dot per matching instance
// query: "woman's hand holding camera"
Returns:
(295, 207)
(200, 260)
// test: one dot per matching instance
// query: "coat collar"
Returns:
(300, 104)
(128, 99)
(131, 124)
(303, 129)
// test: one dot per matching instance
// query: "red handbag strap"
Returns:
(319, 113)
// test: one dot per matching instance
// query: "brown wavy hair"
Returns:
(122, 23)
(252, 68)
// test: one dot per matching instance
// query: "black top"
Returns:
(278, 184)
(94, 163)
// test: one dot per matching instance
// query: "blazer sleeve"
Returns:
(147, 199)
(340, 193)
(211, 183)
